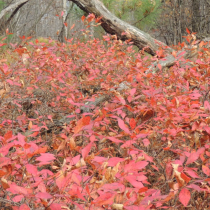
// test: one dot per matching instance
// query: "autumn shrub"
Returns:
(87, 126)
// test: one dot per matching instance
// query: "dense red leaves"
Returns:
(142, 147)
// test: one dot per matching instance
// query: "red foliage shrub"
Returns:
(144, 146)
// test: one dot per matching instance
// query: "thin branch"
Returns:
(11, 7)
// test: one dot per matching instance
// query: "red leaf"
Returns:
(132, 91)
(21, 139)
(85, 120)
(75, 190)
(72, 26)
(41, 150)
(78, 126)
(114, 187)
(27, 146)
(8, 135)
(206, 170)
(2, 173)
(65, 24)
(132, 123)
(31, 169)
(114, 161)
(128, 144)
(5, 161)
(15, 189)
(83, 18)
(206, 105)
(55, 206)
(62, 13)
(61, 180)
(43, 195)
(2, 44)
(135, 166)
(155, 167)
(166, 148)
(169, 170)
(123, 126)
(159, 66)
(192, 158)
(45, 158)
(90, 17)
(24, 207)
(188, 31)
(138, 77)
(208, 153)
(192, 173)
(207, 128)
(195, 187)
(184, 196)
(104, 199)
(87, 189)
(185, 177)
(86, 150)
(195, 126)
(146, 142)
(132, 180)
(98, 19)
(143, 189)
(115, 140)
(18, 198)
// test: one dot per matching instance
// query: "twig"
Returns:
(10, 202)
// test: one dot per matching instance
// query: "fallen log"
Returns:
(124, 31)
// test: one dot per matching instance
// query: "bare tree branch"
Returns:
(11, 7)
(11, 16)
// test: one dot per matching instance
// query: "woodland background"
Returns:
(165, 20)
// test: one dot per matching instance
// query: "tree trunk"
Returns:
(63, 33)
(196, 18)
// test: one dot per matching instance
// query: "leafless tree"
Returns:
(177, 15)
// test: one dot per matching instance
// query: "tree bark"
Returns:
(196, 16)
(64, 32)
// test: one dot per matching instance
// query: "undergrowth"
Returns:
(145, 145)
